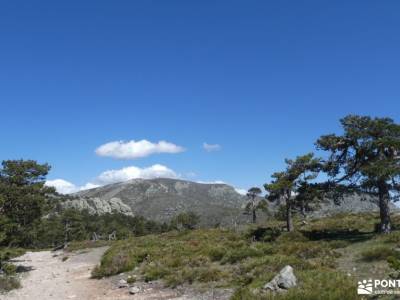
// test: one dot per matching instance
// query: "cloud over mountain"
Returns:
(62, 186)
(132, 172)
(112, 176)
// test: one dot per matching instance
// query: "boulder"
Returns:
(282, 281)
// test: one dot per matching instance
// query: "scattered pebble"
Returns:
(122, 283)
(134, 290)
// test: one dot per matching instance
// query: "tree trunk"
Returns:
(303, 209)
(384, 210)
(289, 221)
(254, 215)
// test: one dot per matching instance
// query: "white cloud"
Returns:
(88, 186)
(136, 149)
(62, 186)
(241, 191)
(112, 176)
(132, 172)
(211, 182)
(211, 147)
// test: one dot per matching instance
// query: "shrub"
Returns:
(306, 250)
(378, 253)
(280, 214)
(236, 255)
(131, 279)
(9, 269)
(294, 236)
(187, 220)
(393, 237)
(8, 283)
(216, 253)
(338, 244)
(264, 234)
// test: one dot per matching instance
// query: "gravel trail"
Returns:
(49, 276)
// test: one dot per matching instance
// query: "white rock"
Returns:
(134, 290)
(122, 283)
(282, 281)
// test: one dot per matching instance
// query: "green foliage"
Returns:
(23, 200)
(343, 222)
(238, 254)
(8, 253)
(394, 262)
(8, 283)
(9, 269)
(161, 256)
(216, 253)
(74, 225)
(367, 157)
(294, 180)
(381, 252)
(221, 256)
(255, 203)
(186, 220)
(30, 216)
(313, 285)
(393, 237)
(131, 279)
(281, 214)
(8, 280)
(263, 234)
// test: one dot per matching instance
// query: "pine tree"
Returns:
(366, 156)
(286, 184)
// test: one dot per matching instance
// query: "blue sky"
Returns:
(262, 79)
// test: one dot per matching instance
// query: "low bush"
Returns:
(216, 253)
(8, 283)
(263, 234)
(380, 252)
(9, 269)
(236, 255)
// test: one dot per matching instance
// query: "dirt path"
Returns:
(350, 262)
(49, 277)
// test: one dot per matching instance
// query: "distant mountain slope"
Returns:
(161, 199)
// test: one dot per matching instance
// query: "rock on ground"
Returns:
(282, 281)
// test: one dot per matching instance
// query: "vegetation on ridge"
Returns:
(246, 260)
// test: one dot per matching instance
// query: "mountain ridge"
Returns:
(161, 199)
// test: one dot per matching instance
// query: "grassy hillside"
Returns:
(328, 255)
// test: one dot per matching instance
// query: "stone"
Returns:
(134, 290)
(122, 283)
(282, 281)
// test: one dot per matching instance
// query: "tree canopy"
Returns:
(23, 196)
(366, 156)
(286, 184)
(255, 204)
